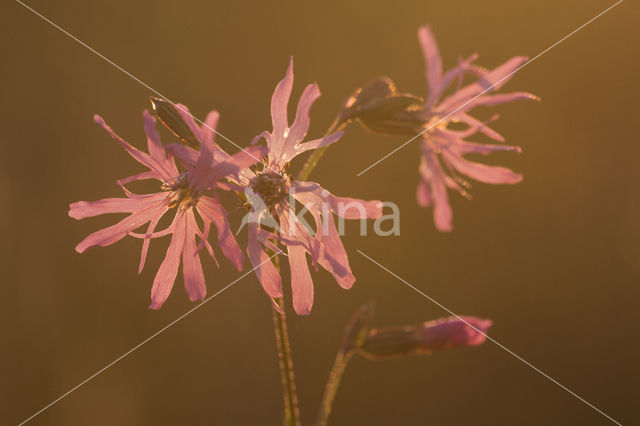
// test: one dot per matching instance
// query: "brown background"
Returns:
(553, 260)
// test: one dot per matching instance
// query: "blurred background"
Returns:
(553, 261)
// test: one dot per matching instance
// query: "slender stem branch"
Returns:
(291, 410)
(331, 388)
(314, 158)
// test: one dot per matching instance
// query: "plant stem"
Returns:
(291, 410)
(314, 158)
(331, 388)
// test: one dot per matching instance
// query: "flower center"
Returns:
(182, 194)
(270, 186)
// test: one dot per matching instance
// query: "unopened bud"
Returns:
(390, 342)
(172, 119)
(381, 109)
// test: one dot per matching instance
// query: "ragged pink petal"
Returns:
(423, 192)
(300, 126)
(168, 271)
(265, 270)
(319, 143)
(140, 176)
(189, 120)
(206, 177)
(156, 150)
(449, 77)
(492, 81)
(208, 130)
(301, 283)
(84, 209)
(185, 154)
(349, 208)
(493, 100)
(481, 172)
(431, 56)
(279, 103)
(435, 178)
(211, 211)
(482, 127)
(147, 242)
(333, 252)
(141, 157)
(110, 235)
(191, 266)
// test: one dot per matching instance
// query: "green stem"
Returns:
(314, 158)
(331, 388)
(291, 410)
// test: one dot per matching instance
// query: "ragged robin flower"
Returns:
(278, 193)
(183, 194)
(443, 161)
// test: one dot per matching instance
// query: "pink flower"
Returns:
(442, 146)
(181, 192)
(277, 193)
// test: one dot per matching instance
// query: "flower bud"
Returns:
(171, 118)
(381, 109)
(390, 342)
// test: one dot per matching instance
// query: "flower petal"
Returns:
(434, 176)
(168, 271)
(147, 241)
(191, 266)
(423, 194)
(334, 257)
(492, 81)
(300, 126)
(206, 177)
(301, 283)
(481, 172)
(319, 143)
(186, 154)
(141, 157)
(279, 103)
(111, 234)
(432, 58)
(150, 174)
(349, 208)
(208, 130)
(212, 211)
(84, 209)
(493, 100)
(482, 127)
(189, 120)
(166, 167)
(265, 270)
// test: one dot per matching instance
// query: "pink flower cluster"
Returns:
(188, 192)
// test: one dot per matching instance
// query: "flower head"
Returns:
(272, 190)
(443, 149)
(185, 193)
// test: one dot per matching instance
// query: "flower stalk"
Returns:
(291, 410)
(354, 337)
(314, 158)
